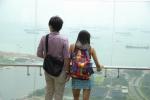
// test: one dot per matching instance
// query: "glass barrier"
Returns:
(21, 83)
(119, 33)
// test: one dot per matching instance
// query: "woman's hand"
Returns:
(99, 68)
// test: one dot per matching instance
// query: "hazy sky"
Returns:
(77, 12)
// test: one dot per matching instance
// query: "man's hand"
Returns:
(67, 78)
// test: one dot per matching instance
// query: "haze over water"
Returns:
(114, 26)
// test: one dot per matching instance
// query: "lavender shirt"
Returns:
(58, 46)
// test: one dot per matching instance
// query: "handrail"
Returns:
(105, 67)
(124, 67)
(23, 65)
(127, 67)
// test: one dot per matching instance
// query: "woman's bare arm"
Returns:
(98, 65)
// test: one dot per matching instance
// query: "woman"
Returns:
(82, 43)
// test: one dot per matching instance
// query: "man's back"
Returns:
(57, 46)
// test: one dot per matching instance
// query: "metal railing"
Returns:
(118, 68)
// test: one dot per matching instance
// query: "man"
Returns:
(57, 47)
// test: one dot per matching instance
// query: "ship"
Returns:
(136, 47)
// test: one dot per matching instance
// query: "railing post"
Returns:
(28, 73)
(118, 73)
(105, 72)
(40, 71)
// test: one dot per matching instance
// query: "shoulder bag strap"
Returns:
(46, 43)
(90, 52)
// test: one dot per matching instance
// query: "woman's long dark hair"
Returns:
(83, 37)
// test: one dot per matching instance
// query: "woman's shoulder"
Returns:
(71, 45)
(92, 50)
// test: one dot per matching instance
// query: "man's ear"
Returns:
(51, 28)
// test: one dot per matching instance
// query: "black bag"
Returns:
(52, 65)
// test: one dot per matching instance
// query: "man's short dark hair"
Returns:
(56, 23)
